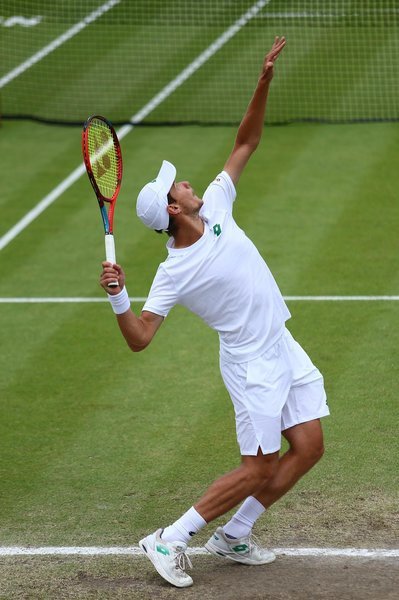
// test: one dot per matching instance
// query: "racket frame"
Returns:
(107, 217)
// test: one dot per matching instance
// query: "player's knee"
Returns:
(313, 452)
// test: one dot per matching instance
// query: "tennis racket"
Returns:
(103, 160)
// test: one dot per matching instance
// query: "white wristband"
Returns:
(120, 302)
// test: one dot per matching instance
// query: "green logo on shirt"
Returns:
(217, 230)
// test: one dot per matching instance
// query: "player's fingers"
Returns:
(278, 43)
(281, 44)
(276, 51)
(273, 56)
(105, 282)
(110, 271)
(106, 279)
(275, 43)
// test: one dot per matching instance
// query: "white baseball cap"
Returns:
(152, 201)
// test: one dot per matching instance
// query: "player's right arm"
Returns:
(137, 331)
(251, 128)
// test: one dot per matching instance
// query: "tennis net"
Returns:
(62, 61)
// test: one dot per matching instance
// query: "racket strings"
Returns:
(104, 158)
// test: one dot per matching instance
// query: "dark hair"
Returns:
(172, 226)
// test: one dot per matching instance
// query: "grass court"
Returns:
(100, 445)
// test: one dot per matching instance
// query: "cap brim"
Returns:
(167, 175)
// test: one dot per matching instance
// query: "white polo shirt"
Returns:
(224, 280)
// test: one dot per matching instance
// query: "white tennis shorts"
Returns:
(278, 390)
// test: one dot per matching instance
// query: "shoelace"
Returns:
(180, 559)
(253, 543)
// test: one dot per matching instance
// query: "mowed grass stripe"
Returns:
(113, 445)
(348, 493)
(358, 252)
(291, 197)
(97, 416)
(296, 211)
(29, 173)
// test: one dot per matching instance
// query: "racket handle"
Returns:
(110, 254)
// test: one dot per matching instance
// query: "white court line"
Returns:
(41, 206)
(87, 299)
(329, 15)
(341, 298)
(135, 551)
(137, 118)
(67, 35)
(68, 300)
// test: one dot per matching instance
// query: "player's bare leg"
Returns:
(225, 493)
(166, 549)
(230, 489)
(306, 449)
(234, 541)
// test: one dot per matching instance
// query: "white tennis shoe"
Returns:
(243, 550)
(169, 558)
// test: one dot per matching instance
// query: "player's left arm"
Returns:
(250, 130)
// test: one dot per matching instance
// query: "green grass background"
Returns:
(99, 445)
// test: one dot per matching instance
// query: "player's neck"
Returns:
(190, 230)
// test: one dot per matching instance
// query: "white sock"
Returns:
(184, 528)
(240, 525)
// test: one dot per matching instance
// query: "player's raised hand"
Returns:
(271, 57)
(112, 273)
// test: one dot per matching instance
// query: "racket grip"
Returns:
(110, 254)
(110, 248)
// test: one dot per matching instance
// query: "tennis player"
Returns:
(215, 271)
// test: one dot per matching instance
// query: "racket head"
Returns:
(103, 160)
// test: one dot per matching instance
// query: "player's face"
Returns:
(184, 195)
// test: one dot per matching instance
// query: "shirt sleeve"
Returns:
(162, 296)
(219, 195)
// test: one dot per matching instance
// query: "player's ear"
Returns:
(173, 209)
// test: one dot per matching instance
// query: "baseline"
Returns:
(198, 551)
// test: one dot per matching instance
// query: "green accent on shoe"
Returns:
(163, 550)
(240, 548)
(215, 536)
